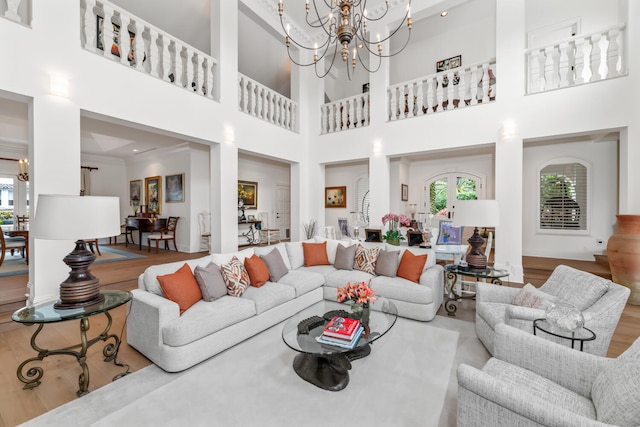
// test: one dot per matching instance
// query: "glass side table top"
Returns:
(582, 334)
(380, 322)
(488, 272)
(46, 313)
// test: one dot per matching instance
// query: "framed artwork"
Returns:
(135, 195)
(174, 188)
(248, 193)
(449, 63)
(365, 88)
(373, 235)
(335, 197)
(414, 238)
(115, 46)
(153, 194)
(404, 192)
(448, 234)
(343, 223)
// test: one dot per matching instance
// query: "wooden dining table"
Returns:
(20, 231)
(145, 225)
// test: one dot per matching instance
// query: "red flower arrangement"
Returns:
(357, 293)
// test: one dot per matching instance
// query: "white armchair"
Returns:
(534, 382)
(601, 302)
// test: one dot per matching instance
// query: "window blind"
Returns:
(563, 197)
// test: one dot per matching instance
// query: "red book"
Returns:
(341, 327)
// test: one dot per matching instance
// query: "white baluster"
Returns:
(12, 10)
(571, 63)
(125, 40)
(439, 92)
(90, 22)
(294, 115)
(247, 100)
(420, 98)
(155, 54)
(462, 88)
(206, 85)
(612, 53)
(140, 49)
(563, 64)
(278, 110)
(252, 98)
(395, 111)
(367, 109)
(542, 61)
(430, 93)
(579, 61)
(107, 31)
(473, 86)
(549, 72)
(389, 104)
(324, 122)
(351, 115)
(587, 73)
(596, 57)
(335, 117)
(450, 89)
(621, 64)
(410, 101)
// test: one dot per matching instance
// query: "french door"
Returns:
(442, 191)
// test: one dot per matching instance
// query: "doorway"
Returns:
(442, 191)
(283, 210)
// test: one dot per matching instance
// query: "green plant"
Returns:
(6, 217)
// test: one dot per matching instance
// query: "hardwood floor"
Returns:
(60, 381)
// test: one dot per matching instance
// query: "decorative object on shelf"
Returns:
(623, 251)
(248, 194)
(359, 295)
(404, 190)
(393, 235)
(335, 197)
(564, 316)
(483, 213)
(24, 170)
(153, 194)
(344, 24)
(174, 187)
(449, 63)
(94, 218)
(310, 228)
(415, 238)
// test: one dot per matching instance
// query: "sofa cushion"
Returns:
(578, 288)
(150, 275)
(616, 393)
(302, 281)
(332, 246)
(366, 259)
(401, 289)
(340, 278)
(275, 264)
(387, 263)
(411, 266)
(315, 254)
(264, 250)
(345, 257)
(226, 257)
(257, 270)
(530, 296)
(269, 295)
(210, 281)
(205, 318)
(235, 277)
(416, 250)
(295, 253)
(181, 287)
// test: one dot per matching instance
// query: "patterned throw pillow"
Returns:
(235, 276)
(366, 259)
(530, 296)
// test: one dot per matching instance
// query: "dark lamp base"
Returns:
(81, 289)
(475, 257)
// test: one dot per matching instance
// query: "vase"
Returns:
(361, 312)
(393, 241)
(623, 251)
(564, 317)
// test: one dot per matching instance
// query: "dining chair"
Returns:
(168, 234)
(10, 245)
(91, 243)
(267, 234)
(21, 220)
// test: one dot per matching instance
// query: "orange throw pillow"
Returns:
(257, 269)
(315, 254)
(181, 287)
(411, 266)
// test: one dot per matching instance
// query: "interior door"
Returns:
(283, 210)
(442, 191)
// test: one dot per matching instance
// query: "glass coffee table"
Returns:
(326, 366)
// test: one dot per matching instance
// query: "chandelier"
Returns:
(344, 24)
(24, 170)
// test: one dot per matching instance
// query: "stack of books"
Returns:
(341, 332)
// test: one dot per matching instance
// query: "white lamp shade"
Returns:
(476, 213)
(66, 217)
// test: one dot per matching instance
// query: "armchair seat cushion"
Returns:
(616, 393)
(539, 387)
(491, 312)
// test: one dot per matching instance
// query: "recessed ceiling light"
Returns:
(444, 13)
(360, 46)
(135, 150)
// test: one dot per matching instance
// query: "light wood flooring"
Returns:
(60, 381)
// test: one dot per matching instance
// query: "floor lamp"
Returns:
(476, 213)
(65, 217)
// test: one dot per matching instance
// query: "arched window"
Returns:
(563, 196)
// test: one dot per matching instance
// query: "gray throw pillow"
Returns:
(345, 257)
(275, 264)
(387, 263)
(210, 281)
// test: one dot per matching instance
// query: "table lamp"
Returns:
(474, 213)
(66, 217)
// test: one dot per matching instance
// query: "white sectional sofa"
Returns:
(175, 341)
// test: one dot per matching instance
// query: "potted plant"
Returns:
(393, 236)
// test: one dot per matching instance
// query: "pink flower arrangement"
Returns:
(358, 293)
(402, 219)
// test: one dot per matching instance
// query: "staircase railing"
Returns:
(344, 114)
(264, 103)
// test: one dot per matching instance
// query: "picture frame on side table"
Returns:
(174, 188)
(373, 235)
(448, 234)
(404, 192)
(250, 190)
(335, 197)
(153, 194)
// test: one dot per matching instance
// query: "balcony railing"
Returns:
(578, 60)
(114, 33)
(347, 113)
(259, 101)
(10, 10)
(455, 88)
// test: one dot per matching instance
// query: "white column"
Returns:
(379, 178)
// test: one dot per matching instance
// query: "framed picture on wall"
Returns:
(404, 191)
(153, 194)
(174, 188)
(248, 193)
(449, 63)
(335, 197)
(135, 195)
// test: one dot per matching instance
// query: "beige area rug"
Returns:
(15, 264)
(408, 380)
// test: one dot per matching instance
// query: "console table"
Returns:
(250, 234)
(47, 314)
(451, 273)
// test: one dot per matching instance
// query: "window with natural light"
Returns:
(563, 196)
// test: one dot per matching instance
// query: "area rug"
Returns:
(15, 264)
(408, 380)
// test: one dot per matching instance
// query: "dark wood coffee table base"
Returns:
(330, 372)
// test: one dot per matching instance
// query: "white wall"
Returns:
(338, 176)
(594, 14)
(602, 158)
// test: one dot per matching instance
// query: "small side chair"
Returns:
(166, 235)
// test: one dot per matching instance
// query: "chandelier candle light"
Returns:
(344, 23)
(24, 170)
